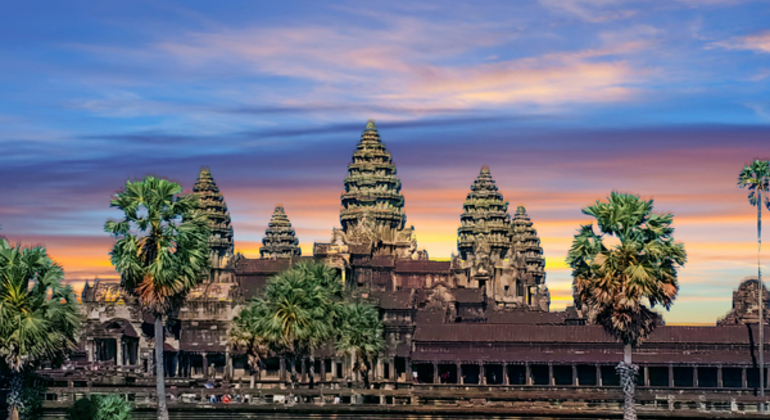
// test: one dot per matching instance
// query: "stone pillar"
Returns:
(229, 365)
(670, 376)
(176, 364)
(436, 378)
(720, 381)
(459, 373)
(528, 374)
(205, 364)
(408, 363)
(574, 375)
(323, 370)
(379, 373)
(598, 375)
(334, 369)
(646, 376)
(282, 371)
(118, 352)
(482, 374)
(695, 376)
(90, 348)
(550, 374)
(506, 376)
(303, 370)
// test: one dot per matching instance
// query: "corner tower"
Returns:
(485, 222)
(528, 255)
(221, 236)
(371, 187)
(280, 240)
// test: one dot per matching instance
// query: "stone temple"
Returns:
(480, 319)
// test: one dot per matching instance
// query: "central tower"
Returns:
(372, 190)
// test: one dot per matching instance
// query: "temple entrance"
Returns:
(562, 375)
(517, 375)
(470, 374)
(493, 374)
(610, 376)
(400, 365)
(539, 374)
(447, 373)
(658, 376)
(586, 375)
(707, 377)
(424, 372)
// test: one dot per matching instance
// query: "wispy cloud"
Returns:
(758, 42)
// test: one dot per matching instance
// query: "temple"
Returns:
(482, 318)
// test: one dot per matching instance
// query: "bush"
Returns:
(111, 407)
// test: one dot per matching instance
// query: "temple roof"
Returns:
(371, 187)
(422, 266)
(280, 240)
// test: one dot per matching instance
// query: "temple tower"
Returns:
(530, 264)
(485, 222)
(371, 187)
(280, 240)
(221, 236)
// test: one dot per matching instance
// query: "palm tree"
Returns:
(39, 317)
(756, 176)
(245, 336)
(296, 313)
(361, 335)
(613, 280)
(161, 252)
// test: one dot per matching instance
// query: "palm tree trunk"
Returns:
(159, 368)
(627, 371)
(14, 399)
(760, 302)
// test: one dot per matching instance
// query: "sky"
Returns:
(565, 100)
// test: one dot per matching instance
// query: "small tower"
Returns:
(485, 220)
(371, 186)
(280, 240)
(221, 236)
(527, 253)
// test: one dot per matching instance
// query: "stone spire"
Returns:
(280, 240)
(213, 203)
(526, 248)
(485, 219)
(371, 186)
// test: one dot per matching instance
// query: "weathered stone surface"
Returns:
(280, 240)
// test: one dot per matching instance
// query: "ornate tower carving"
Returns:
(527, 259)
(221, 239)
(372, 189)
(280, 240)
(485, 222)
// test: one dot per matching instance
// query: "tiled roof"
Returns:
(422, 266)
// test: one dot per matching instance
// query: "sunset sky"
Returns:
(565, 100)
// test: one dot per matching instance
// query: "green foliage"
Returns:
(614, 281)
(756, 177)
(161, 250)
(39, 317)
(110, 407)
(297, 312)
(361, 334)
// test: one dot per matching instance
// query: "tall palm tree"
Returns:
(361, 334)
(39, 317)
(161, 252)
(756, 176)
(613, 280)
